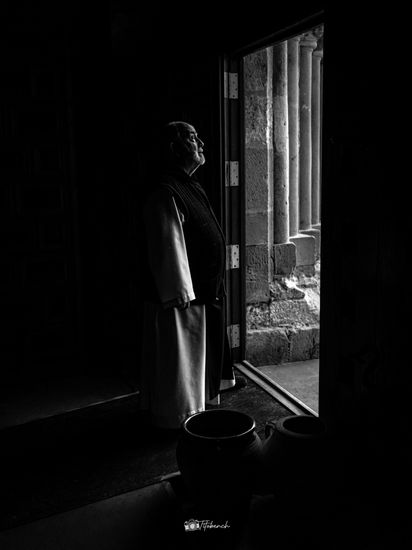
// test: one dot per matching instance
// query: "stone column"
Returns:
(321, 139)
(284, 251)
(316, 126)
(307, 45)
(293, 112)
(303, 239)
(280, 145)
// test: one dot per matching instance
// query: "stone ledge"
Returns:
(272, 346)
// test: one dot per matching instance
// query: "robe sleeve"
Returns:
(167, 249)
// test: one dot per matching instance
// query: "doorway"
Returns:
(275, 183)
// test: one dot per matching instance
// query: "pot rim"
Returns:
(282, 428)
(219, 438)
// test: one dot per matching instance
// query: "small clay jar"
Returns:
(219, 455)
(294, 455)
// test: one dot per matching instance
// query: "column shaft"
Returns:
(316, 145)
(307, 45)
(293, 112)
(280, 144)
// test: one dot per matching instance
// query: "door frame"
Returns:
(231, 110)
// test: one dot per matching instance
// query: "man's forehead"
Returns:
(189, 128)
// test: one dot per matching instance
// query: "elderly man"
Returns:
(186, 357)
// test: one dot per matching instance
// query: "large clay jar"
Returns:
(219, 455)
(294, 456)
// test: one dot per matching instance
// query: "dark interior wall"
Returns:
(364, 380)
(364, 323)
(40, 290)
(74, 304)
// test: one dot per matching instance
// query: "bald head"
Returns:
(182, 146)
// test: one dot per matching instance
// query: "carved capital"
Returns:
(308, 41)
(318, 52)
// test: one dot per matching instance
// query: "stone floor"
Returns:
(52, 464)
(154, 517)
(43, 398)
(151, 517)
(300, 379)
(124, 517)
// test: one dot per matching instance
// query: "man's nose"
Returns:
(200, 142)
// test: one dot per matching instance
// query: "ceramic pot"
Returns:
(293, 455)
(219, 455)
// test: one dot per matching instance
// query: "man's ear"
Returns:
(177, 148)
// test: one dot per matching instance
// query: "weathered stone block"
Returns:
(257, 291)
(293, 313)
(257, 273)
(258, 179)
(256, 70)
(257, 228)
(283, 288)
(258, 316)
(284, 258)
(256, 120)
(267, 347)
(316, 234)
(304, 343)
(305, 249)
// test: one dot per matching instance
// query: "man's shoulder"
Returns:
(163, 196)
(163, 184)
(172, 184)
(159, 193)
(172, 178)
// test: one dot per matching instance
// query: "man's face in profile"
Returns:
(193, 145)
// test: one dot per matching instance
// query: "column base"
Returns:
(305, 250)
(314, 232)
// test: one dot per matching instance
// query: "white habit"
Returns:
(173, 378)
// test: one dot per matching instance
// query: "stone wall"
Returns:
(286, 327)
(258, 173)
